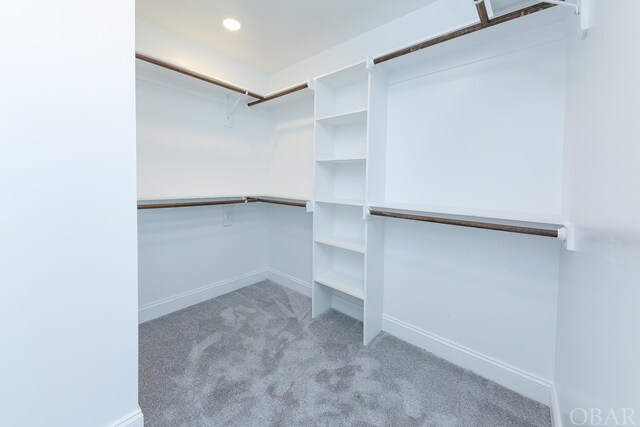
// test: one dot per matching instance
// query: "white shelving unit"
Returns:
(366, 115)
(347, 259)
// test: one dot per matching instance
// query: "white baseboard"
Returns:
(135, 419)
(290, 282)
(513, 378)
(178, 302)
(556, 415)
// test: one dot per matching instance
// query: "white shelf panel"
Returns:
(340, 242)
(346, 76)
(349, 202)
(482, 214)
(342, 160)
(343, 119)
(342, 283)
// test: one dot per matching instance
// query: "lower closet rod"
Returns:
(473, 224)
(189, 204)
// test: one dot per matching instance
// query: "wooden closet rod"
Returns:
(196, 75)
(259, 98)
(473, 224)
(485, 22)
(190, 204)
(300, 204)
(278, 94)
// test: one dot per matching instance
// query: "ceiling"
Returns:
(275, 33)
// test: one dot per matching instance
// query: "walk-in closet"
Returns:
(284, 213)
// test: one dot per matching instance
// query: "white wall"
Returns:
(289, 237)
(68, 313)
(481, 135)
(185, 148)
(488, 293)
(598, 318)
(188, 255)
(289, 161)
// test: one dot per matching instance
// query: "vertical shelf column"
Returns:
(348, 247)
(375, 190)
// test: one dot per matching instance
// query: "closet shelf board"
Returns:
(343, 283)
(338, 242)
(341, 160)
(349, 202)
(343, 119)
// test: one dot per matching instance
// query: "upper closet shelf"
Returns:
(343, 119)
(347, 76)
(339, 201)
(275, 99)
(341, 160)
(190, 73)
(165, 203)
(538, 18)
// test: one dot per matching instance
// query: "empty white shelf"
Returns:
(342, 283)
(350, 202)
(342, 119)
(344, 243)
(342, 159)
(346, 76)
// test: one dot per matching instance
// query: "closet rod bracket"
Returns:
(366, 212)
(567, 235)
(310, 206)
(370, 63)
(236, 103)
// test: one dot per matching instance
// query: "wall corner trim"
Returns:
(506, 375)
(290, 282)
(134, 419)
(556, 414)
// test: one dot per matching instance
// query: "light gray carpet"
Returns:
(255, 357)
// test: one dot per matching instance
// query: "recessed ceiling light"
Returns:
(231, 24)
